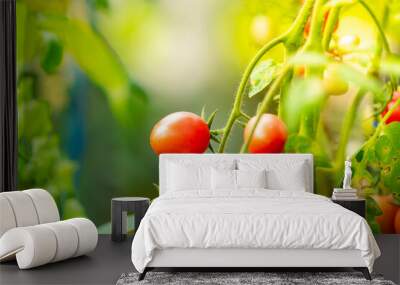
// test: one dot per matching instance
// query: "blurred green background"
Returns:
(94, 76)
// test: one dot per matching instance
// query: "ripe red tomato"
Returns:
(395, 117)
(269, 136)
(397, 222)
(180, 132)
(308, 25)
(389, 209)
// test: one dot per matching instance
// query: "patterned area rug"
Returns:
(231, 278)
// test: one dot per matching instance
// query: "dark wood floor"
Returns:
(103, 266)
(110, 259)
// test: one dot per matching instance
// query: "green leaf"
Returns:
(211, 118)
(52, 56)
(390, 176)
(384, 149)
(96, 58)
(392, 131)
(262, 76)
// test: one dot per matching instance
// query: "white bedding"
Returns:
(250, 219)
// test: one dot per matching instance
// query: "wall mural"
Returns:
(106, 85)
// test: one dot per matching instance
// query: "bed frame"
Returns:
(246, 258)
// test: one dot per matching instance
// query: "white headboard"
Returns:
(209, 158)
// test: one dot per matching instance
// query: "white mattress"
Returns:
(252, 219)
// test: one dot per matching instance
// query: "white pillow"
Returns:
(181, 178)
(223, 179)
(186, 174)
(251, 178)
(281, 175)
(292, 179)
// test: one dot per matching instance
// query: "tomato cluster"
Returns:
(185, 132)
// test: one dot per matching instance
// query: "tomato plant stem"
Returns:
(330, 27)
(378, 25)
(265, 103)
(292, 40)
(236, 110)
(295, 33)
(313, 42)
(346, 128)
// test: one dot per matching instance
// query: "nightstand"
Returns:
(355, 205)
(119, 209)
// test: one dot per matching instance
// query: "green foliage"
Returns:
(41, 162)
(376, 169)
(96, 59)
(45, 35)
(53, 56)
(302, 99)
(262, 76)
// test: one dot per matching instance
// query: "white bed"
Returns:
(249, 227)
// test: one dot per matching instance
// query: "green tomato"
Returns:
(332, 81)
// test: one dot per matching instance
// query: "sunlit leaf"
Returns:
(384, 149)
(262, 76)
(96, 58)
(52, 56)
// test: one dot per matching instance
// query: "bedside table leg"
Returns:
(116, 222)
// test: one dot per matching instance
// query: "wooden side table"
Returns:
(355, 205)
(119, 210)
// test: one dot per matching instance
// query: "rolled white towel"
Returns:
(33, 246)
(23, 208)
(7, 218)
(45, 205)
(40, 244)
(87, 235)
